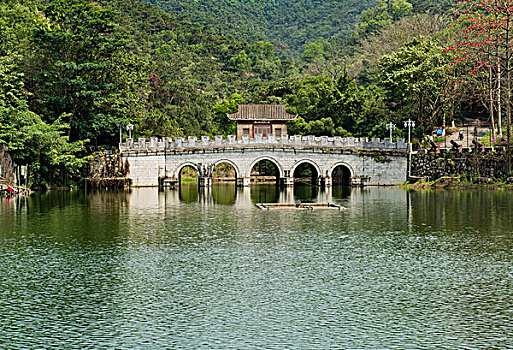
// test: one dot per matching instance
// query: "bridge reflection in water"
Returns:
(240, 202)
(229, 194)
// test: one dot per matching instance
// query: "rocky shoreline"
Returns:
(456, 183)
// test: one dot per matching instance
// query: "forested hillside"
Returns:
(287, 24)
(75, 72)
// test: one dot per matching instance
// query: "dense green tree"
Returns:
(315, 98)
(75, 49)
(325, 57)
(319, 127)
(45, 147)
(16, 21)
(221, 109)
(393, 37)
(417, 82)
(379, 17)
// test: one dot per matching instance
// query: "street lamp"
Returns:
(390, 126)
(129, 128)
(409, 124)
(120, 126)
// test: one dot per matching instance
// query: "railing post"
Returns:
(288, 181)
(205, 181)
(243, 182)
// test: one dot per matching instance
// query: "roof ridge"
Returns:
(261, 112)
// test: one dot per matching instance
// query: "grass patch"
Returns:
(189, 179)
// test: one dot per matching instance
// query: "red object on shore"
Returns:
(10, 189)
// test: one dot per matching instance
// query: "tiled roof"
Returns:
(262, 112)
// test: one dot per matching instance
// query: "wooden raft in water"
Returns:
(302, 206)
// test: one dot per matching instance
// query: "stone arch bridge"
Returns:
(364, 162)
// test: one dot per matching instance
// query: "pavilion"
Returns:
(261, 120)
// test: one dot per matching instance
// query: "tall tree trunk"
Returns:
(499, 100)
(508, 115)
(492, 120)
(508, 92)
(419, 112)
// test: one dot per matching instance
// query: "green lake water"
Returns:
(191, 269)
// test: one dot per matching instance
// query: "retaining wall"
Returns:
(489, 163)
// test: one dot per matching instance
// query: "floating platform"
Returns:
(300, 206)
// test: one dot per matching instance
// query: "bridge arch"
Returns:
(272, 160)
(227, 161)
(307, 161)
(176, 173)
(347, 172)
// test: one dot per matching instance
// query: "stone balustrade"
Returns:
(205, 142)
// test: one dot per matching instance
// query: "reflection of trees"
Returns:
(67, 215)
(188, 192)
(341, 192)
(224, 194)
(457, 210)
(305, 192)
(265, 193)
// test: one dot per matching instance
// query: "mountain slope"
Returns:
(288, 24)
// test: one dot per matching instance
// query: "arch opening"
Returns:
(306, 173)
(265, 171)
(224, 171)
(341, 175)
(188, 174)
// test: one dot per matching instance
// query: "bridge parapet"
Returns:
(295, 141)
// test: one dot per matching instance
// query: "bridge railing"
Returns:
(205, 142)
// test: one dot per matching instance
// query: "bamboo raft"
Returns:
(300, 206)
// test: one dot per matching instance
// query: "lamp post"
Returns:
(467, 135)
(129, 128)
(390, 126)
(24, 173)
(120, 126)
(409, 124)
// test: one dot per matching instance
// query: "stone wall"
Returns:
(108, 171)
(432, 165)
(107, 166)
(377, 167)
